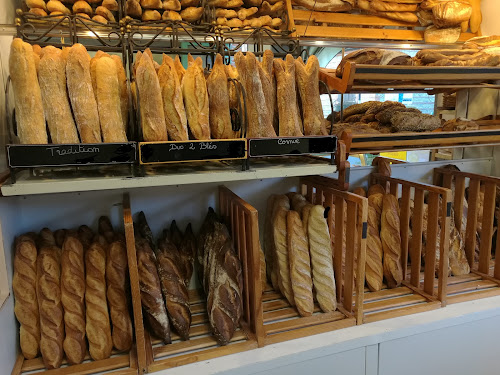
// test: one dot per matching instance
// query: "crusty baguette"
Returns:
(153, 305)
(179, 68)
(300, 264)
(196, 103)
(320, 247)
(150, 99)
(289, 125)
(307, 77)
(118, 290)
(220, 117)
(73, 299)
(280, 201)
(282, 253)
(81, 94)
(93, 62)
(97, 314)
(49, 305)
(122, 82)
(24, 284)
(108, 101)
(173, 104)
(27, 95)
(269, 86)
(298, 202)
(260, 123)
(374, 271)
(187, 253)
(391, 241)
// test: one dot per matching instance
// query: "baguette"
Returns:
(280, 201)
(187, 254)
(300, 264)
(383, 6)
(24, 284)
(289, 125)
(307, 77)
(49, 305)
(298, 202)
(179, 68)
(320, 247)
(30, 116)
(122, 82)
(391, 241)
(73, 299)
(196, 103)
(218, 95)
(374, 271)
(269, 86)
(108, 101)
(173, 105)
(150, 98)
(81, 94)
(118, 293)
(97, 314)
(282, 254)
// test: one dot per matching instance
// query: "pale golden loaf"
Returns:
(30, 118)
(122, 82)
(268, 79)
(282, 253)
(300, 264)
(320, 248)
(391, 241)
(173, 104)
(374, 271)
(24, 283)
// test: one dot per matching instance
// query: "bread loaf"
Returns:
(282, 254)
(93, 65)
(118, 290)
(298, 202)
(49, 306)
(24, 284)
(150, 98)
(370, 56)
(52, 79)
(216, 238)
(220, 118)
(325, 6)
(374, 271)
(447, 35)
(81, 94)
(260, 124)
(97, 315)
(153, 306)
(320, 248)
(307, 77)
(194, 91)
(179, 68)
(173, 287)
(133, 8)
(86, 236)
(30, 117)
(108, 101)
(280, 201)
(72, 298)
(391, 241)
(173, 105)
(451, 13)
(269, 86)
(187, 254)
(122, 82)
(300, 264)
(232, 72)
(205, 232)
(289, 125)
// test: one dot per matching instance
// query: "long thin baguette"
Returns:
(122, 81)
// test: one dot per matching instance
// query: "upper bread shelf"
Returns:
(430, 79)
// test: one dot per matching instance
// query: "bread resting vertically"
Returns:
(391, 241)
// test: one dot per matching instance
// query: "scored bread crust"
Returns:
(391, 241)
(282, 254)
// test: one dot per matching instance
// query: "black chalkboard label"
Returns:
(27, 156)
(175, 152)
(292, 146)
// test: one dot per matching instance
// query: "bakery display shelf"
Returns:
(394, 78)
(484, 278)
(374, 143)
(152, 354)
(118, 364)
(313, 24)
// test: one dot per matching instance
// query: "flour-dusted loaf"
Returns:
(173, 104)
(268, 80)
(49, 306)
(218, 94)
(97, 314)
(320, 248)
(300, 264)
(122, 83)
(118, 293)
(187, 253)
(298, 202)
(457, 258)
(391, 241)
(289, 125)
(282, 260)
(260, 121)
(24, 284)
(73, 299)
(307, 78)
(108, 101)
(173, 287)
(374, 272)
(196, 102)
(150, 99)
(179, 68)
(153, 305)
(30, 117)
(81, 94)
(280, 201)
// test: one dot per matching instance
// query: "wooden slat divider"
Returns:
(458, 202)
(487, 227)
(431, 244)
(405, 226)
(340, 208)
(470, 231)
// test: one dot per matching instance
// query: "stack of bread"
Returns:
(459, 57)
(298, 252)
(248, 13)
(102, 11)
(181, 104)
(81, 99)
(399, 10)
(72, 293)
(168, 10)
